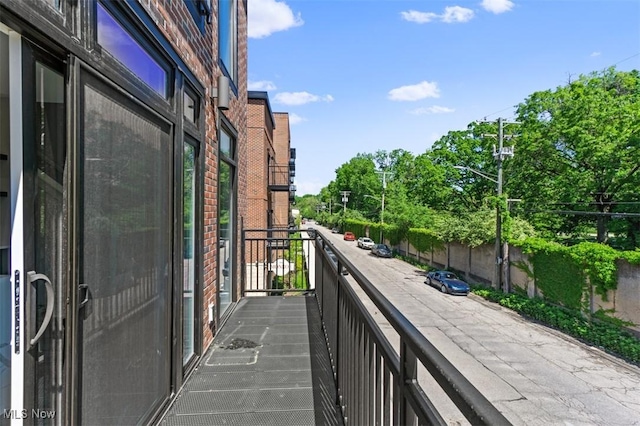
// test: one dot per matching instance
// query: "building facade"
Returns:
(261, 154)
(269, 189)
(123, 177)
(270, 180)
(285, 159)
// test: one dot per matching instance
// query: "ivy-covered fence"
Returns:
(584, 276)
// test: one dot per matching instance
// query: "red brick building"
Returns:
(261, 154)
(270, 189)
(285, 159)
(269, 184)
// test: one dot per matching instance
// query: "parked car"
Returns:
(311, 231)
(349, 236)
(334, 259)
(381, 250)
(335, 231)
(366, 243)
(447, 282)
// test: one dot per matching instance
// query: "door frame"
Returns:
(16, 261)
(23, 55)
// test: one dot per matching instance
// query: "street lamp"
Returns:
(498, 246)
(381, 212)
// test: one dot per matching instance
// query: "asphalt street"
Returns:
(534, 375)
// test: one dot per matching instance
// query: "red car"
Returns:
(349, 236)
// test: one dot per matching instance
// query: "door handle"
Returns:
(31, 278)
(84, 297)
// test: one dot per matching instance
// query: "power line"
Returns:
(582, 213)
(593, 203)
(613, 65)
(626, 59)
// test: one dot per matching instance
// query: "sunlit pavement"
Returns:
(532, 374)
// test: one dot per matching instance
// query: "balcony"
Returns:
(302, 347)
(278, 178)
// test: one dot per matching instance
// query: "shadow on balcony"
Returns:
(268, 365)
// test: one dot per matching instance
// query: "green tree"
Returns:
(307, 204)
(358, 176)
(579, 147)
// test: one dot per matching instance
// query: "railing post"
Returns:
(408, 374)
(337, 334)
(243, 260)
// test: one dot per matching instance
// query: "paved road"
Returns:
(532, 374)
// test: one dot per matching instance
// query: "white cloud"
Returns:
(497, 6)
(295, 119)
(261, 85)
(594, 54)
(415, 92)
(432, 110)
(457, 14)
(300, 98)
(451, 14)
(419, 17)
(269, 16)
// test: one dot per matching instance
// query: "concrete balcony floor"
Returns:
(268, 365)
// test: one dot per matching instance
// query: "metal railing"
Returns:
(377, 385)
(279, 177)
(274, 262)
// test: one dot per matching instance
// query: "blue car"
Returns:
(381, 250)
(447, 282)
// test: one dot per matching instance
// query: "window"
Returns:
(56, 4)
(226, 223)
(190, 218)
(113, 38)
(228, 37)
(227, 145)
(200, 11)
(190, 107)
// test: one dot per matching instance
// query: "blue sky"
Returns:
(360, 76)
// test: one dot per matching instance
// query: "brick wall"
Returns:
(282, 143)
(240, 121)
(259, 149)
(200, 52)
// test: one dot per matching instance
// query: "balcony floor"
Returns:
(268, 365)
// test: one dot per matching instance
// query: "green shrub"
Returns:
(607, 334)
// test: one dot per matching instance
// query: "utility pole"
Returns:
(384, 187)
(500, 155)
(345, 198)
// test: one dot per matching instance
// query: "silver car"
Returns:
(366, 243)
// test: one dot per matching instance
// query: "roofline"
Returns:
(259, 94)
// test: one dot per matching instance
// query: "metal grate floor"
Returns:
(268, 365)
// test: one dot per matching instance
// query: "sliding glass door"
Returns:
(125, 249)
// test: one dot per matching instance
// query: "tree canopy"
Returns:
(576, 168)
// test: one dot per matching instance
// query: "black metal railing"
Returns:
(279, 177)
(375, 383)
(274, 261)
